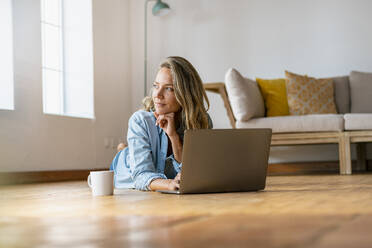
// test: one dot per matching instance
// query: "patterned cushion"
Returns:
(307, 95)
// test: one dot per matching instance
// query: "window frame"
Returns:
(62, 65)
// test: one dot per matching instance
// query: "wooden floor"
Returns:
(293, 211)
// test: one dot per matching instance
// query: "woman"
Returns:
(152, 159)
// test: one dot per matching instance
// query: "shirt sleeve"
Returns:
(177, 166)
(140, 155)
(210, 122)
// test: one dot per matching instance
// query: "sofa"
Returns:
(352, 124)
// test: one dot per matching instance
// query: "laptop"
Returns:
(224, 160)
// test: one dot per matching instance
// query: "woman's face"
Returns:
(163, 93)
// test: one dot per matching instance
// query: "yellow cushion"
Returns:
(275, 96)
(307, 95)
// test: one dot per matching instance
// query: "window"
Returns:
(6, 56)
(67, 57)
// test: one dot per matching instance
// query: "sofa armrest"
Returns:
(219, 88)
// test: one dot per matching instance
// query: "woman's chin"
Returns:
(161, 111)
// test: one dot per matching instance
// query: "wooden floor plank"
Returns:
(293, 211)
(355, 233)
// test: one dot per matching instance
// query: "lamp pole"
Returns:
(145, 58)
(160, 8)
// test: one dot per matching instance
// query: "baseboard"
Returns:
(302, 168)
(43, 176)
(311, 168)
(7, 178)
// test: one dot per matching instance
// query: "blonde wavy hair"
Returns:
(189, 92)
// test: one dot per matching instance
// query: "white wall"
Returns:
(6, 51)
(261, 39)
(31, 140)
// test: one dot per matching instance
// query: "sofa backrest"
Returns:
(342, 94)
(360, 92)
(247, 102)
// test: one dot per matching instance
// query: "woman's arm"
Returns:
(141, 163)
(177, 147)
(167, 123)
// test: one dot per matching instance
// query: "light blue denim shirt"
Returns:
(145, 158)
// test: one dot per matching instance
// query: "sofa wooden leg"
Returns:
(361, 156)
(344, 154)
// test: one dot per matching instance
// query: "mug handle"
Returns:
(89, 181)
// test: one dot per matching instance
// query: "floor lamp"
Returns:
(160, 9)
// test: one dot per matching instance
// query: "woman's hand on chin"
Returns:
(167, 123)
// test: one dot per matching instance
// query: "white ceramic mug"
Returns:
(101, 182)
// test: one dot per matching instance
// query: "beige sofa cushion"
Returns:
(304, 123)
(361, 92)
(342, 94)
(244, 95)
(358, 121)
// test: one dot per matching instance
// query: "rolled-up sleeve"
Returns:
(140, 154)
(177, 166)
(210, 122)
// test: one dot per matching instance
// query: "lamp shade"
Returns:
(160, 8)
